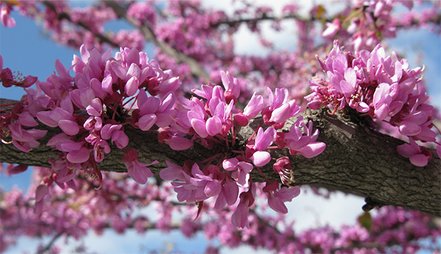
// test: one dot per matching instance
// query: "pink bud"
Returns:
(313, 149)
(419, 160)
(41, 191)
(261, 158)
(214, 126)
(179, 143)
(199, 127)
(230, 164)
(147, 121)
(131, 86)
(69, 127)
(78, 156)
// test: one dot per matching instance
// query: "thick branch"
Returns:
(357, 160)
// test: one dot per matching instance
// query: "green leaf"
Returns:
(365, 220)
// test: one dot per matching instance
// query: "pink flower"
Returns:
(41, 191)
(240, 169)
(142, 13)
(78, 156)
(25, 139)
(174, 139)
(197, 186)
(331, 28)
(231, 85)
(382, 100)
(239, 217)
(76, 152)
(254, 106)
(279, 108)
(95, 108)
(302, 139)
(171, 172)
(153, 110)
(116, 134)
(194, 185)
(218, 120)
(262, 141)
(136, 169)
(61, 117)
(228, 194)
(416, 154)
(283, 167)
(277, 196)
(100, 146)
(5, 15)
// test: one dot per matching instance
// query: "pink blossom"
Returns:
(142, 13)
(240, 216)
(417, 155)
(5, 15)
(219, 119)
(228, 194)
(231, 85)
(174, 139)
(136, 169)
(116, 134)
(254, 106)
(25, 139)
(279, 108)
(277, 196)
(153, 110)
(240, 169)
(302, 139)
(262, 141)
(331, 28)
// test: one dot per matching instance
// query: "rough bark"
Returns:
(357, 160)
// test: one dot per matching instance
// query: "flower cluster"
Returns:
(15, 121)
(215, 119)
(381, 87)
(366, 23)
(93, 108)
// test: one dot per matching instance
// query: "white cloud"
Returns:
(309, 210)
(248, 43)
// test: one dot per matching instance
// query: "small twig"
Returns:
(49, 244)
(265, 17)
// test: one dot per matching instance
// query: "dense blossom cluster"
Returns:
(106, 95)
(372, 21)
(250, 117)
(383, 88)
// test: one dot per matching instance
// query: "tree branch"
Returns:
(49, 245)
(357, 160)
(65, 16)
(149, 34)
(264, 17)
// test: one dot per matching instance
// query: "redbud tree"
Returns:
(221, 138)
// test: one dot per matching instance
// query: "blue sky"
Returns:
(28, 50)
